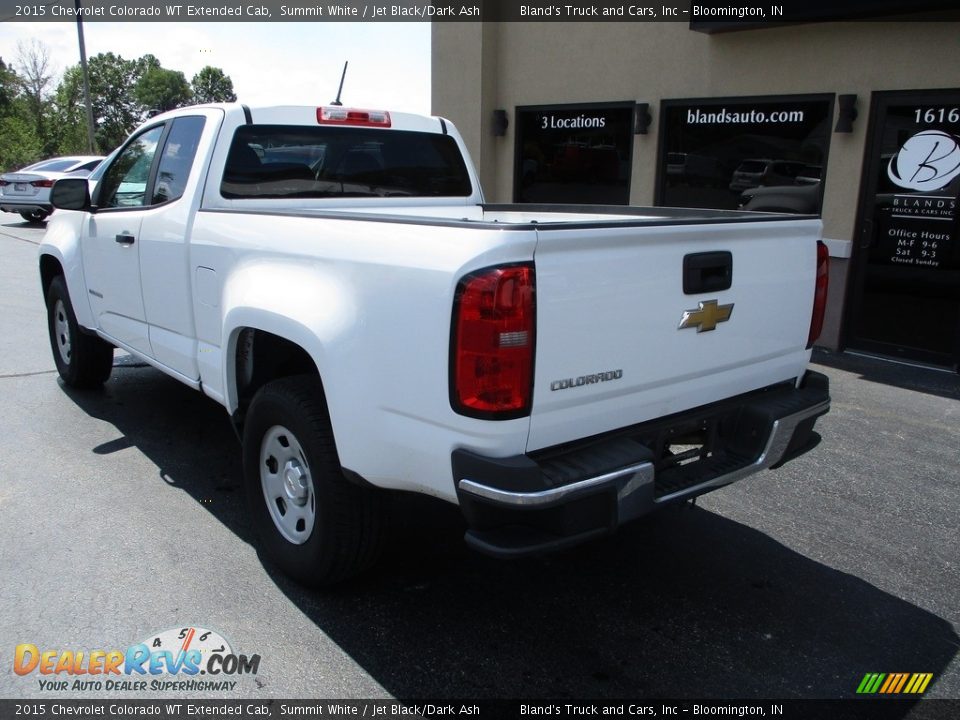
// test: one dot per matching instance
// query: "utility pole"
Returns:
(86, 78)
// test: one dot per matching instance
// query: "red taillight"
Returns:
(350, 116)
(492, 343)
(820, 293)
(42, 183)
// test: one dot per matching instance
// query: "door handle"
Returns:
(124, 239)
(707, 272)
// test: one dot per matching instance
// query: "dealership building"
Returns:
(857, 121)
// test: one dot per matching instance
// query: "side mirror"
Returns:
(70, 194)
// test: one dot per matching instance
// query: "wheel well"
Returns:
(262, 357)
(50, 267)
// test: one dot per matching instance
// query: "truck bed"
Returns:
(515, 215)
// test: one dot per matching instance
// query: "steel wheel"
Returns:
(287, 485)
(317, 525)
(61, 326)
(83, 360)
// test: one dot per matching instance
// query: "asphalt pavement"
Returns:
(121, 518)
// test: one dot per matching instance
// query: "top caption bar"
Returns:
(708, 15)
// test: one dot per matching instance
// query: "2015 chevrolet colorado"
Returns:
(335, 280)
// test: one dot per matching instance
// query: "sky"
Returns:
(269, 63)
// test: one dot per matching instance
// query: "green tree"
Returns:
(69, 133)
(159, 89)
(212, 85)
(36, 72)
(122, 94)
(9, 88)
(116, 110)
(146, 62)
(19, 144)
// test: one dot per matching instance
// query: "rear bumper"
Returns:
(563, 496)
(15, 206)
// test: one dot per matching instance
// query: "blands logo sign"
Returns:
(927, 161)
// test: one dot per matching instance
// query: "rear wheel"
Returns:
(36, 216)
(315, 524)
(83, 360)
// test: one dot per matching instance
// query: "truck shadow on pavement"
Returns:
(926, 380)
(683, 604)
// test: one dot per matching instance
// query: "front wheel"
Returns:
(315, 524)
(83, 360)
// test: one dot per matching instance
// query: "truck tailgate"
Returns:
(610, 349)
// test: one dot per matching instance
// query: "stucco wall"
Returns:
(478, 67)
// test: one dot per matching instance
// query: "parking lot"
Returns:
(121, 518)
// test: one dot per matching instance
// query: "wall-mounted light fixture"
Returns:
(500, 123)
(846, 113)
(641, 118)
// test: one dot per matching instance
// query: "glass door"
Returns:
(905, 295)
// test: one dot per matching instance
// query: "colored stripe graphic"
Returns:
(891, 680)
(870, 683)
(918, 683)
(894, 683)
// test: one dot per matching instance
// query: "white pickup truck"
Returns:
(334, 279)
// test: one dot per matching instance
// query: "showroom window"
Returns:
(577, 154)
(759, 153)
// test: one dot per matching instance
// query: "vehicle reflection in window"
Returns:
(574, 154)
(125, 182)
(177, 159)
(275, 161)
(764, 154)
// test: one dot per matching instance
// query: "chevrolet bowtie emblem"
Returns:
(706, 316)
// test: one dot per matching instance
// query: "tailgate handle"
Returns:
(707, 272)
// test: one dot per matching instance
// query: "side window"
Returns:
(125, 182)
(177, 159)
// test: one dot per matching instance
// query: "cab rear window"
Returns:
(278, 161)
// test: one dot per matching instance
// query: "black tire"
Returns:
(83, 360)
(36, 216)
(346, 532)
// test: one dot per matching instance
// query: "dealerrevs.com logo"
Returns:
(181, 659)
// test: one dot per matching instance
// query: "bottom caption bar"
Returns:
(852, 709)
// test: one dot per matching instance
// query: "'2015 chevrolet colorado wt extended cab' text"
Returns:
(335, 280)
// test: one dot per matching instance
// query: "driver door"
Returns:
(110, 240)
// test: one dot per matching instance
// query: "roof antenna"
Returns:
(340, 90)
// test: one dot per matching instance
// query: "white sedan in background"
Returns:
(27, 191)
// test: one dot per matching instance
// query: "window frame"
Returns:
(469, 185)
(733, 102)
(165, 138)
(624, 105)
(151, 175)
